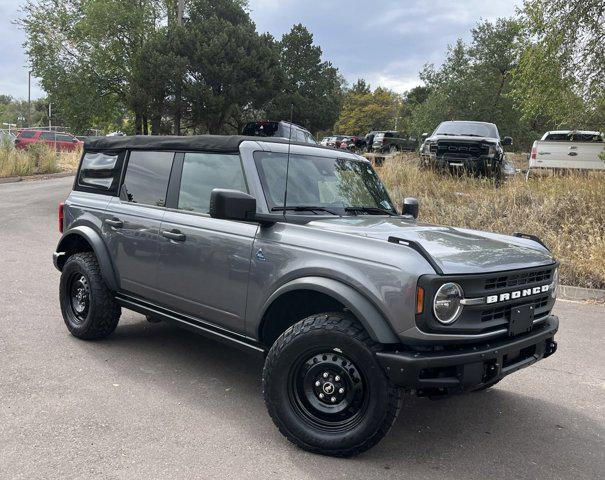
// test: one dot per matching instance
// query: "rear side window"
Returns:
(146, 179)
(48, 136)
(100, 172)
(202, 173)
(27, 134)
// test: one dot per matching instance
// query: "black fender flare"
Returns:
(94, 239)
(360, 306)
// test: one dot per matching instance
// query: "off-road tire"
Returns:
(342, 336)
(102, 312)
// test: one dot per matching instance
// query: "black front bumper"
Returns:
(469, 368)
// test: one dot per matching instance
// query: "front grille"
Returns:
(503, 313)
(460, 149)
(482, 317)
(514, 280)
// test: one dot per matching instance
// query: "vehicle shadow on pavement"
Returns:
(493, 434)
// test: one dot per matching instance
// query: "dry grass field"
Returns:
(37, 159)
(567, 211)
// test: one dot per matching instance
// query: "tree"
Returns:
(83, 51)
(364, 110)
(231, 67)
(561, 75)
(312, 90)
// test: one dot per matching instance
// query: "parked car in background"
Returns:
(281, 129)
(393, 142)
(472, 147)
(325, 142)
(568, 149)
(7, 138)
(63, 142)
(353, 143)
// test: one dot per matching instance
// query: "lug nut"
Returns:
(318, 383)
(337, 378)
(333, 399)
(321, 395)
(341, 390)
(325, 375)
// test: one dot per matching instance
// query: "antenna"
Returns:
(288, 160)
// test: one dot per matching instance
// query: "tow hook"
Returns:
(551, 347)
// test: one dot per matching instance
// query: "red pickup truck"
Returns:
(63, 142)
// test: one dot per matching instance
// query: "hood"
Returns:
(455, 250)
(462, 138)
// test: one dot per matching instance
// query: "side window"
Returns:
(48, 136)
(100, 171)
(146, 179)
(299, 136)
(27, 134)
(64, 138)
(202, 173)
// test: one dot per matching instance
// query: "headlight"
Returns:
(492, 151)
(554, 286)
(446, 305)
(426, 149)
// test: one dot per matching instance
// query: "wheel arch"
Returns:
(326, 288)
(84, 238)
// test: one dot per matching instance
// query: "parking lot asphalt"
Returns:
(153, 401)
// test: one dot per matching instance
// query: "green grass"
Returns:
(566, 211)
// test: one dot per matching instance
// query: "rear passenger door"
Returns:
(133, 219)
(204, 262)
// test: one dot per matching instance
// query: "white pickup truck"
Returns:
(568, 149)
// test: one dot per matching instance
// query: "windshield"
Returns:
(328, 183)
(473, 129)
(585, 137)
(261, 129)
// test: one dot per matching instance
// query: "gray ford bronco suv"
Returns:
(298, 253)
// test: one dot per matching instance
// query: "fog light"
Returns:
(446, 305)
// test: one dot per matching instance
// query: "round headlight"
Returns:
(446, 305)
(555, 283)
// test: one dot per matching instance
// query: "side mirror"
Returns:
(232, 205)
(507, 141)
(410, 207)
(425, 136)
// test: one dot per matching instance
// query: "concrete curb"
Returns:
(40, 176)
(48, 176)
(567, 292)
(10, 180)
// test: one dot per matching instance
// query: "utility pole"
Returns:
(29, 98)
(180, 12)
(178, 92)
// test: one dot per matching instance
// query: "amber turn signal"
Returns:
(419, 300)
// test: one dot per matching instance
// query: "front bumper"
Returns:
(469, 368)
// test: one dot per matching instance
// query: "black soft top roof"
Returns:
(203, 143)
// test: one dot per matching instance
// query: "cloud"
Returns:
(387, 42)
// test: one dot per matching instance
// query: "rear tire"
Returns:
(324, 389)
(89, 308)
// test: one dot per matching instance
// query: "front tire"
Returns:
(324, 389)
(89, 308)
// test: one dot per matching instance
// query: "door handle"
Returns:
(114, 222)
(573, 154)
(174, 235)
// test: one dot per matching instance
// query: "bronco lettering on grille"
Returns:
(526, 292)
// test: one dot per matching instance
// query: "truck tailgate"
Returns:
(575, 155)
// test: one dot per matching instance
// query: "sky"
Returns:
(386, 42)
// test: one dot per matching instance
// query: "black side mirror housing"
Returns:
(410, 207)
(232, 205)
(507, 141)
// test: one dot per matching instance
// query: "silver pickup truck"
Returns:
(568, 149)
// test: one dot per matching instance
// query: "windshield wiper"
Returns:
(470, 135)
(303, 208)
(368, 209)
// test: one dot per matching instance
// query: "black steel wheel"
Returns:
(89, 308)
(324, 389)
